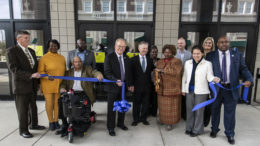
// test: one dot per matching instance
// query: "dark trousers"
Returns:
(33, 112)
(183, 107)
(141, 105)
(111, 115)
(22, 102)
(153, 102)
(224, 96)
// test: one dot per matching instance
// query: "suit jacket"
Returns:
(187, 56)
(87, 71)
(112, 71)
(139, 78)
(203, 75)
(89, 58)
(20, 68)
(237, 68)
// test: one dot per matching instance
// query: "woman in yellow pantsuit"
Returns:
(52, 64)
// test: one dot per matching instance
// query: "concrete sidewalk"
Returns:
(247, 131)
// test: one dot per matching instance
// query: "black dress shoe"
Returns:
(187, 132)
(26, 134)
(213, 134)
(134, 124)
(146, 123)
(193, 134)
(123, 127)
(231, 139)
(111, 132)
(37, 127)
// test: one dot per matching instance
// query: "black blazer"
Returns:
(20, 68)
(141, 79)
(112, 71)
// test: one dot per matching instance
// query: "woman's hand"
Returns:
(100, 77)
(50, 78)
(216, 80)
(62, 90)
(159, 70)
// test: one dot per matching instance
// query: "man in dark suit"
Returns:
(228, 65)
(85, 55)
(141, 68)
(117, 68)
(22, 63)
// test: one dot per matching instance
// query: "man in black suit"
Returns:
(22, 63)
(116, 68)
(141, 68)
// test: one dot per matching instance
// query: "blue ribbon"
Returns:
(212, 87)
(120, 106)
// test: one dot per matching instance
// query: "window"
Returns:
(4, 9)
(121, 6)
(186, 6)
(245, 7)
(139, 7)
(88, 6)
(150, 7)
(106, 6)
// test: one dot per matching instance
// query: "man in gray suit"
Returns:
(85, 55)
(182, 53)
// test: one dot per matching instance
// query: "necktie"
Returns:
(224, 67)
(29, 57)
(121, 69)
(143, 64)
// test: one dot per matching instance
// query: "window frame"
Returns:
(91, 6)
(109, 6)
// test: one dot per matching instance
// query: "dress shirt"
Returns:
(23, 48)
(227, 63)
(122, 59)
(81, 55)
(77, 83)
(141, 60)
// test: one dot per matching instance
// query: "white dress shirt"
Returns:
(23, 48)
(122, 58)
(227, 63)
(77, 83)
(141, 60)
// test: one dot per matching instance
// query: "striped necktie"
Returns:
(29, 57)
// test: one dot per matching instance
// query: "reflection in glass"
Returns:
(239, 10)
(30, 9)
(95, 9)
(136, 10)
(133, 39)
(37, 42)
(4, 81)
(238, 40)
(192, 39)
(2, 46)
(192, 11)
(96, 40)
(4, 9)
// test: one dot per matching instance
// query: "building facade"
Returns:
(158, 22)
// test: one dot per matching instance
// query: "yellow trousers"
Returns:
(52, 107)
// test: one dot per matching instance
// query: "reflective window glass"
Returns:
(192, 39)
(133, 39)
(238, 41)
(37, 42)
(30, 9)
(2, 45)
(4, 81)
(95, 9)
(136, 10)
(96, 40)
(121, 5)
(239, 10)
(4, 9)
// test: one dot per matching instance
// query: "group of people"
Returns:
(174, 83)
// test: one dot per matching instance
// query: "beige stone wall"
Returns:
(257, 65)
(63, 24)
(166, 23)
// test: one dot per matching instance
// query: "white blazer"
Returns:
(203, 75)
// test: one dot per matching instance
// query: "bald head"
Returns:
(77, 63)
(181, 43)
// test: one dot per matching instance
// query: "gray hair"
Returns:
(143, 43)
(19, 33)
(74, 58)
(120, 39)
